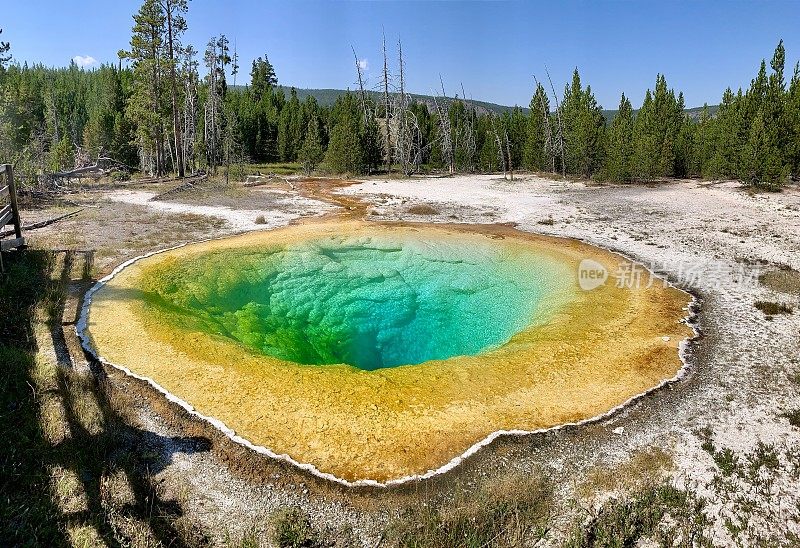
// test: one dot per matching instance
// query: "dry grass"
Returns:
(785, 280)
(512, 512)
(196, 222)
(794, 417)
(114, 231)
(423, 209)
(645, 467)
(548, 221)
(772, 308)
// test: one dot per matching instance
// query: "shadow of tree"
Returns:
(95, 446)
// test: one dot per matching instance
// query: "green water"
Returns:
(369, 302)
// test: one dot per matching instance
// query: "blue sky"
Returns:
(493, 48)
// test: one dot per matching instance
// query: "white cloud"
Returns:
(84, 60)
(363, 64)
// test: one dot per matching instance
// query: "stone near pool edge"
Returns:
(604, 348)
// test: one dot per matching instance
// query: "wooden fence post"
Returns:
(13, 195)
(10, 213)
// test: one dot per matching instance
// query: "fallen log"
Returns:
(188, 183)
(42, 224)
(103, 166)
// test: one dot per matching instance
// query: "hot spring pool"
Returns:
(366, 301)
(379, 352)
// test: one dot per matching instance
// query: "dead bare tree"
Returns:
(213, 104)
(501, 150)
(403, 145)
(469, 145)
(100, 168)
(386, 113)
(190, 79)
(560, 125)
(361, 92)
(230, 116)
(445, 129)
(408, 149)
(509, 161)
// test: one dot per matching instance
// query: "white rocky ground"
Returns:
(287, 206)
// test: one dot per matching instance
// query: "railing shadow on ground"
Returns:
(69, 453)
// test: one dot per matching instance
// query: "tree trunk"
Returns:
(174, 81)
(386, 109)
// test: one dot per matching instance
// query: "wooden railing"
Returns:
(9, 212)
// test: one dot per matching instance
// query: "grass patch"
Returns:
(423, 209)
(665, 515)
(193, 221)
(292, 529)
(785, 280)
(772, 308)
(644, 468)
(510, 512)
(548, 221)
(278, 168)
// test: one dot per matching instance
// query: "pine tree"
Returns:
(146, 107)
(656, 131)
(665, 127)
(344, 149)
(584, 127)
(371, 144)
(702, 145)
(762, 164)
(793, 123)
(764, 160)
(537, 155)
(684, 140)
(288, 129)
(311, 153)
(5, 57)
(174, 11)
(62, 156)
(726, 135)
(462, 136)
(262, 77)
(619, 159)
(516, 127)
(645, 144)
(107, 130)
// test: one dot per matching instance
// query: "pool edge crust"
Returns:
(452, 453)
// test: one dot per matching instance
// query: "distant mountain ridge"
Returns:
(328, 96)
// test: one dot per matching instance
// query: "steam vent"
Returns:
(379, 352)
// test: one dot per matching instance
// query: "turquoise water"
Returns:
(368, 302)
